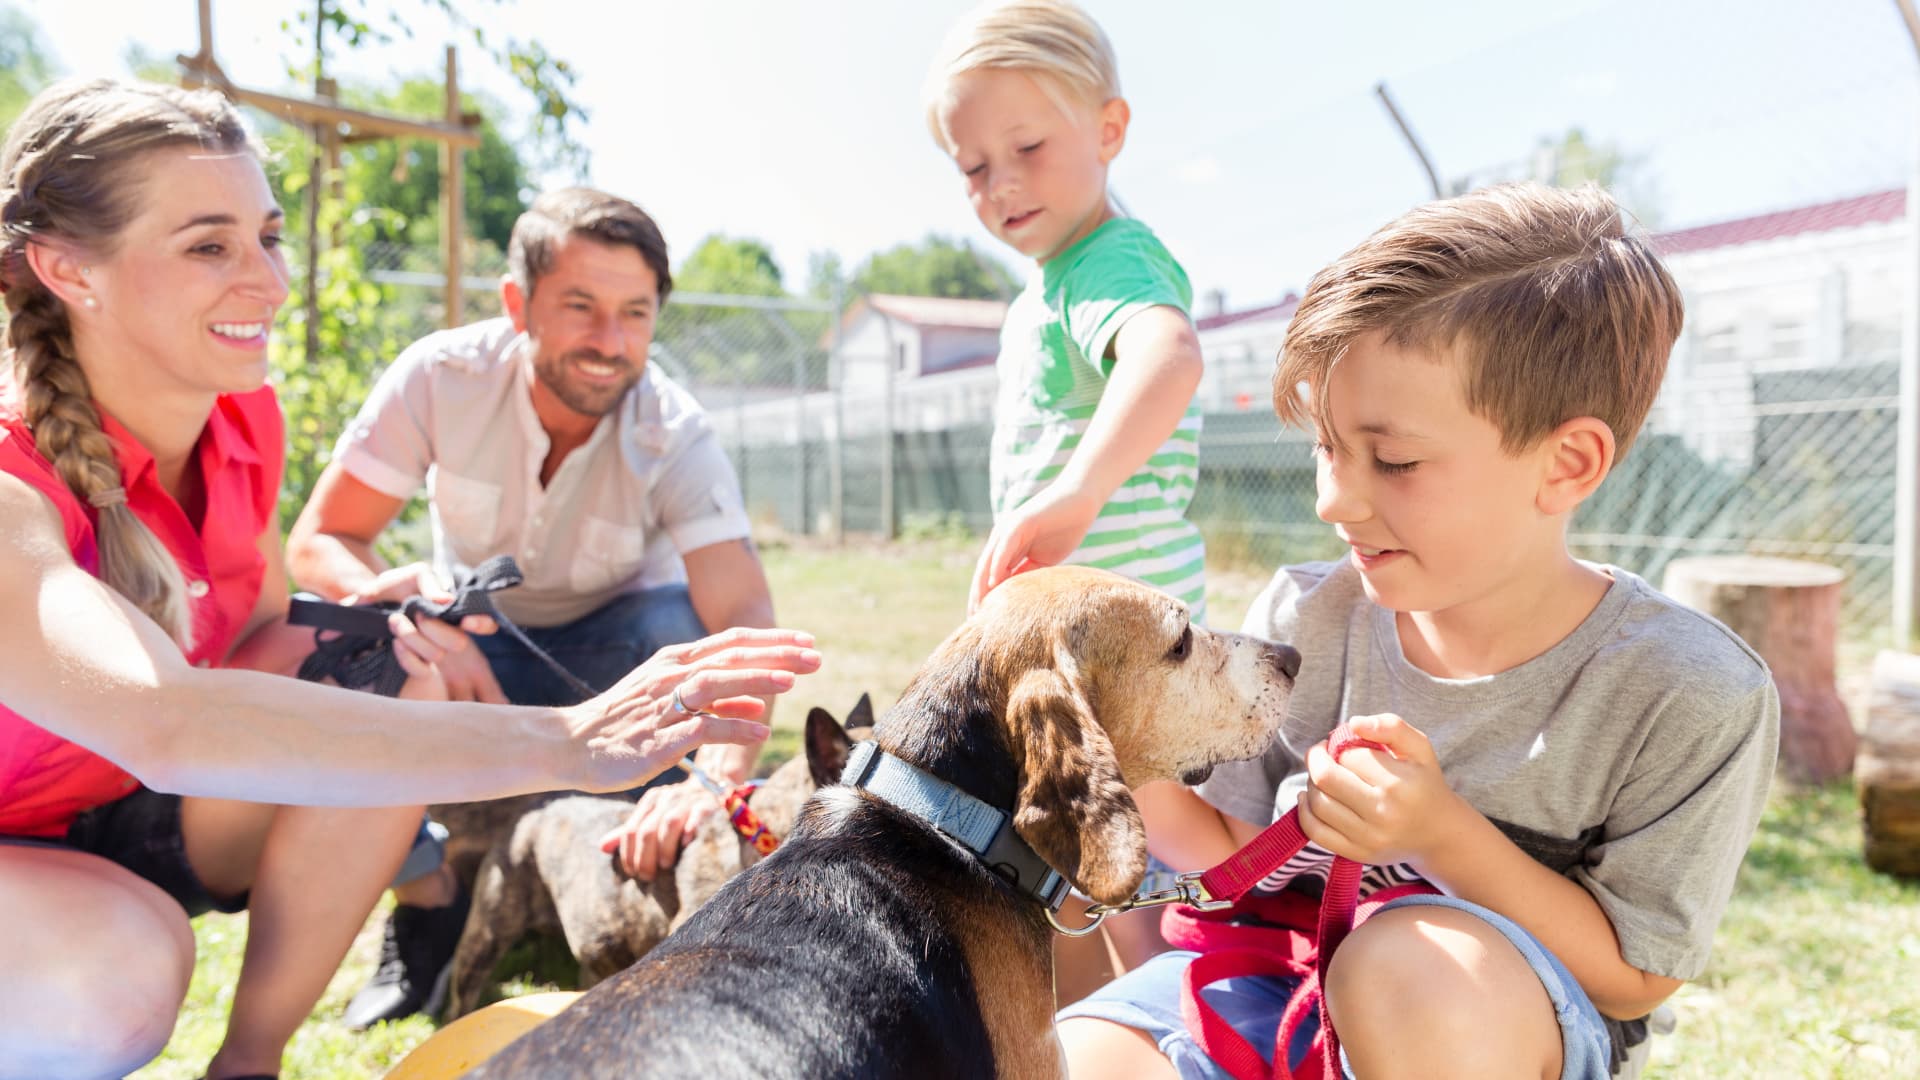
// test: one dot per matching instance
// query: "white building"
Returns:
(935, 354)
(1811, 288)
(1815, 288)
(1240, 348)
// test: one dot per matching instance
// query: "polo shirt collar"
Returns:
(220, 443)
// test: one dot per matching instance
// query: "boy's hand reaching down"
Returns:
(1042, 532)
(1381, 808)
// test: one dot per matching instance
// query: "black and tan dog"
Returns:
(546, 873)
(872, 945)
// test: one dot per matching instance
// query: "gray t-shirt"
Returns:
(455, 412)
(1634, 756)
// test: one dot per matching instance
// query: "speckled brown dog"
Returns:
(871, 945)
(548, 874)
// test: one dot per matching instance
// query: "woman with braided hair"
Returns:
(155, 762)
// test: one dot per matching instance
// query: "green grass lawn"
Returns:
(1816, 970)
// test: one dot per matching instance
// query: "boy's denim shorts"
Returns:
(1148, 998)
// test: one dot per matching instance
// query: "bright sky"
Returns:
(1257, 151)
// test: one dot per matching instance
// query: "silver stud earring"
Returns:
(91, 302)
(86, 271)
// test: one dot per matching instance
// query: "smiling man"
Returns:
(544, 435)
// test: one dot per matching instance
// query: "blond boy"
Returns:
(1095, 444)
(1576, 763)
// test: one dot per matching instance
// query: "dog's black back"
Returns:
(850, 969)
(836, 956)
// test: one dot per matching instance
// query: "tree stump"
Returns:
(1789, 612)
(1889, 772)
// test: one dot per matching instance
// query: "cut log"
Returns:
(1788, 610)
(1889, 766)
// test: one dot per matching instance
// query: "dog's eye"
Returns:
(1182, 647)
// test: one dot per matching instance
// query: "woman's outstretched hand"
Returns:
(635, 731)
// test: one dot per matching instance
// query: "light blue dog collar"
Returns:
(980, 828)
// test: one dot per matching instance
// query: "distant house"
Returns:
(935, 353)
(916, 336)
(1785, 310)
(1771, 299)
(1240, 348)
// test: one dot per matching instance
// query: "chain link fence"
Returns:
(1776, 440)
(413, 279)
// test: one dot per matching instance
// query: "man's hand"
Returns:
(660, 825)
(1380, 808)
(461, 669)
(1043, 531)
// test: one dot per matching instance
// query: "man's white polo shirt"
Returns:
(454, 412)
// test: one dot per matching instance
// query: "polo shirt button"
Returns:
(197, 589)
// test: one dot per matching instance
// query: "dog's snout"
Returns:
(1284, 657)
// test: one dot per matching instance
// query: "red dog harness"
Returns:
(1285, 937)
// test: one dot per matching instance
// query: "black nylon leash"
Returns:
(359, 654)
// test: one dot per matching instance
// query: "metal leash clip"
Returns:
(1187, 889)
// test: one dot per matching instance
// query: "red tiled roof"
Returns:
(1871, 209)
(941, 311)
(1281, 310)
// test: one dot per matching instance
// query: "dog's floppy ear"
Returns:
(827, 747)
(1073, 806)
(862, 714)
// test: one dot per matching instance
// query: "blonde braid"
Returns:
(70, 171)
(66, 429)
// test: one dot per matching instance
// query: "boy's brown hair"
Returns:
(1554, 308)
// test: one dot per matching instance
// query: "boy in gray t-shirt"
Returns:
(1575, 762)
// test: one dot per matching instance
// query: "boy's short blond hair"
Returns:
(1554, 309)
(1052, 40)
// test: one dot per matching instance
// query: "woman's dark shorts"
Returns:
(141, 832)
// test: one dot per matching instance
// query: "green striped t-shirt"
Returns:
(1053, 367)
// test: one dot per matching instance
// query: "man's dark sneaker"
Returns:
(416, 956)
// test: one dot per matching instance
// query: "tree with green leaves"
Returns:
(739, 344)
(722, 264)
(1573, 159)
(402, 176)
(26, 64)
(547, 80)
(936, 266)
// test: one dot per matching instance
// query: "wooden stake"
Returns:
(453, 215)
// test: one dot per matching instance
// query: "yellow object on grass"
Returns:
(477, 1036)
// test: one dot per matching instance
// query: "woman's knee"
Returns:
(102, 971)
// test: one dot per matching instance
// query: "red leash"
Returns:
(1285, 949)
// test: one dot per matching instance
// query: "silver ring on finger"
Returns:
(681, 706)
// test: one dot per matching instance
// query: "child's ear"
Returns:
(1114, 116)
(514, 302)
(1578, 455)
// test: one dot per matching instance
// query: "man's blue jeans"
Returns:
(599, 648)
